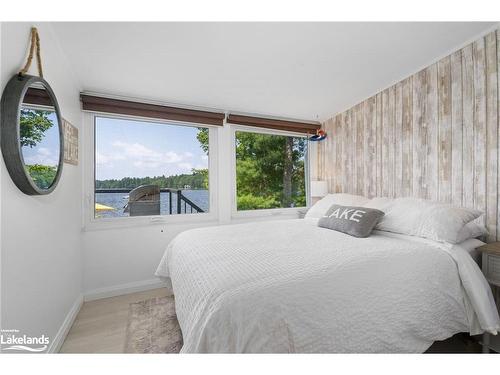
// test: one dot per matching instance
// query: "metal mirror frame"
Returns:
(11, 102)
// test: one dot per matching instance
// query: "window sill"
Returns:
(288, 213)
(191, 219)
(148, 221)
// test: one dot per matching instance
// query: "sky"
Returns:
(126, 148)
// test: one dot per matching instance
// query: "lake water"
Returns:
(119, 200)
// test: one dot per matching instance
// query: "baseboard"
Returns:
(58, 340)
(118, 290)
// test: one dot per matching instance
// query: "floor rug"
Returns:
(153, 327)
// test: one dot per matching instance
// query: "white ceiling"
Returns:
(306, 71)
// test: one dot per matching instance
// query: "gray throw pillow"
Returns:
(355, 221)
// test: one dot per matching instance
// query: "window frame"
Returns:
(88, 159)
(263, 212)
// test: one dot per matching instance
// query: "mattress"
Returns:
(290, 286)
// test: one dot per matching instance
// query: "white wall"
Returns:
(41, 264)
(124, 257)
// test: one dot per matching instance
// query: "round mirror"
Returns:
(32, 138)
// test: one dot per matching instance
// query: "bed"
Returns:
(289, 286)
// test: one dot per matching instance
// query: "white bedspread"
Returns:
(290, 286)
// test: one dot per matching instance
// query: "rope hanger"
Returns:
(35, 42)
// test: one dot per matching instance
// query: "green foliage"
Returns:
(42, 175)
(204, 173)
(202, 137)
(198, 179)
(251, 202)
(33, 125)
(262, 164)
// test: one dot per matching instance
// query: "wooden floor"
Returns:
(100, 325)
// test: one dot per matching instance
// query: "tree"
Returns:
(204, 174)
(42, 175)
(196, 180)
(287, 172)
(33, 125)
(202, 137)
(269, 167)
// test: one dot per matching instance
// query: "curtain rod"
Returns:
(194, 107)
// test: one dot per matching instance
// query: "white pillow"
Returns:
(320, 207)
(423, 218)
(379, 203)
(472, 230)
(471, 246)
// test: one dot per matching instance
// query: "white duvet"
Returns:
(290, 286)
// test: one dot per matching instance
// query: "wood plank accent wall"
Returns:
(434, 135)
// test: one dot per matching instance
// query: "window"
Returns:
(147, 168)
(270, 171)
